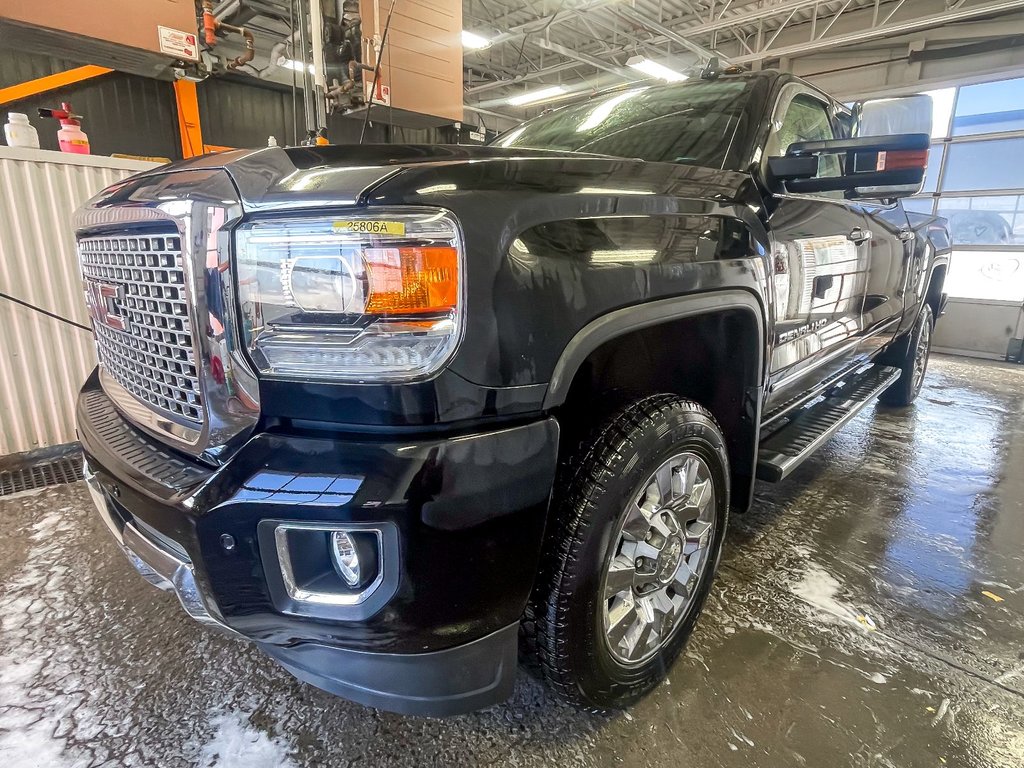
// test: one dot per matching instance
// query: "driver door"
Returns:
(821, 251)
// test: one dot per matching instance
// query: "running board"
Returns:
(808, 428)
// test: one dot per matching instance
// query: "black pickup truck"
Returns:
(399, 413)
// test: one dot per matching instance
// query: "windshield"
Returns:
(692, 123)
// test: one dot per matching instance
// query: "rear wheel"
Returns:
(634, 542)
(914, 364)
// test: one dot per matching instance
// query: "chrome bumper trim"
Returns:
(156, 565)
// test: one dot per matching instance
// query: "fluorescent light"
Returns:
(532, 97)
(473, 40)
(604, 108)
(293, 64)
(654, 69)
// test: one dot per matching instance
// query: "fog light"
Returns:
(330, 570)
(345, 557)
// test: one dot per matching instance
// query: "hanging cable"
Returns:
(376, 71)
(42, 311)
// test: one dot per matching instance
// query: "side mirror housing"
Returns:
(892, 116)
(886, 167)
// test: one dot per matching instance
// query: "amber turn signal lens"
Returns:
(411, 280)
(899, 160)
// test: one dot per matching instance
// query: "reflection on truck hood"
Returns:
(311, 177)
(295, 178)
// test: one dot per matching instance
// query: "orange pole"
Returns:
(49, 83)
(188, 118)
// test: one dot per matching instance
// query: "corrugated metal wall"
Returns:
(238, 113)
(135, 115)
(43, 361)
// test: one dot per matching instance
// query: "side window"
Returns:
(804, 119)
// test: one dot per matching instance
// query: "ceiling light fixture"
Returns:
(532, 97)
(654, 69)
(474, 41)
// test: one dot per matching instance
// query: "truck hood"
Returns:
(295, 178)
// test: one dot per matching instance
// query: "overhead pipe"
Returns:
(250, 46)
(316, 23)
(212, 25)
(308, 103)
(209, 23)
(241, 13)
(279, 51)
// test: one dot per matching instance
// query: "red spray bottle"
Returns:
(71, 137)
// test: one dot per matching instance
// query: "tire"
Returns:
(668, 456)
(914, 363)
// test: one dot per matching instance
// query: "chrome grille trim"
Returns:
(138, 295)
(199, 205)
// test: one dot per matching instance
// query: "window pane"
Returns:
(806, 120)
(978, 165)
(995, 275)
(985, 220)
(931, 174)
(942, 111)
(917, 204)
(990, 107)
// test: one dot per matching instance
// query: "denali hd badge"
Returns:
(105, 301)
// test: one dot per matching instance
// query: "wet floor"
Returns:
(869, 612)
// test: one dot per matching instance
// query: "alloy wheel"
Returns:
(660, 550)
(924, 339)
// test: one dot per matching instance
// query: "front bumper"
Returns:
(164, 569)
(467, 514)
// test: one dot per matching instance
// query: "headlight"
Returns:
(353, 297)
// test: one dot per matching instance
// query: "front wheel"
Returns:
(632, 548)
(914, 364)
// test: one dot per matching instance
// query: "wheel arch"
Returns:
(719, 362)
(933, 295)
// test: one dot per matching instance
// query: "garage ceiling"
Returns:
(584, 45)
(851, 48)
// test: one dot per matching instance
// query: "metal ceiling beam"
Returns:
(746, 17)
(524, 78)
(963, 13)
(558, 17)
(492, 113)
(655, 26)
(599, 84)
(878, 27)
(561, 50)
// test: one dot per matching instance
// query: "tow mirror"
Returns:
(890, 117)
(885, 167)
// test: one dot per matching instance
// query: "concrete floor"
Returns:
(868, 612)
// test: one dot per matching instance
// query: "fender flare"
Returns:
(639, 316)
(938, 260)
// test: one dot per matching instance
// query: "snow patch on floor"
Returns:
(31, 719)
(236, 743)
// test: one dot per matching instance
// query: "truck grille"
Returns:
(138, 299)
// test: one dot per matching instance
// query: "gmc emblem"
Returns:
(105, 303)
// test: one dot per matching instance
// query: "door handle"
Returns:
(858, 235)
(907, 235)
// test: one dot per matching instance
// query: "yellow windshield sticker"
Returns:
(369, 227)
